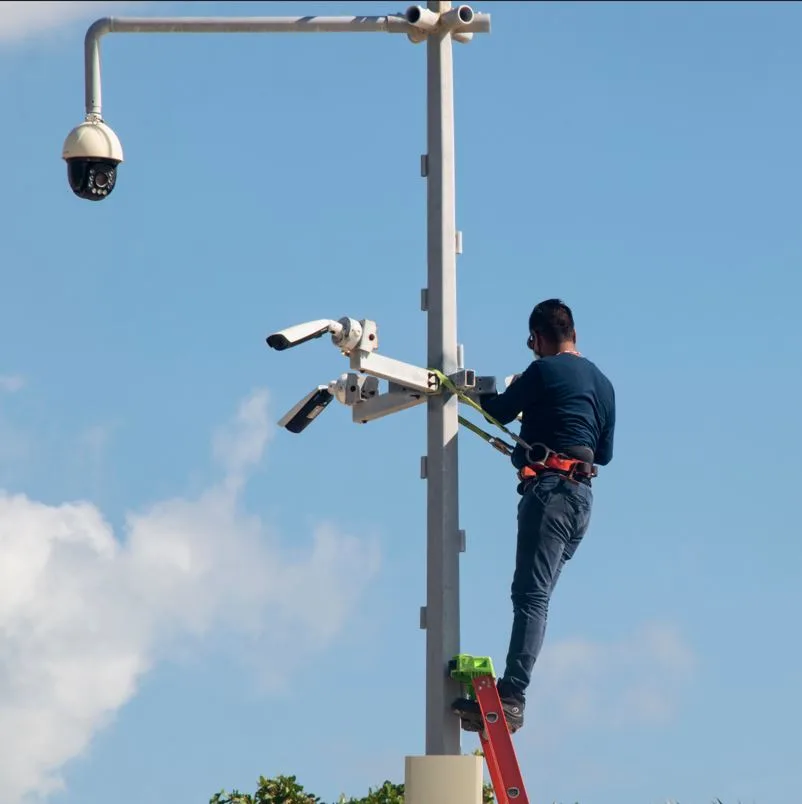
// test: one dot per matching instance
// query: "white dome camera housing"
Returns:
(92, 152)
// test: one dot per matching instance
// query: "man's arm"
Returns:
(604, 451)
(506, 406)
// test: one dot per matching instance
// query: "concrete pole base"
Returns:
(448, 779)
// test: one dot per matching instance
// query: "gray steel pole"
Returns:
(442, 520)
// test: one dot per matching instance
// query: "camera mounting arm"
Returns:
(463, 22)
(396, 399)
(363, 358)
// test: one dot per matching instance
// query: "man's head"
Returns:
(551, 328)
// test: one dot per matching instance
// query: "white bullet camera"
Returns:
(348, 389)
(345, 334)
(306, 410)
(92, 152)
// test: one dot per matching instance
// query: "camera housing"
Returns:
(301, 333)
(348, 389)
(345, 334)
(304, 412)
(93, 153)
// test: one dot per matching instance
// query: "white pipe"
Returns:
(387, 24)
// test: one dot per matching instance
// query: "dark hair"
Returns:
(553, 320)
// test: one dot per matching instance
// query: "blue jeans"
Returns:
(553, 516)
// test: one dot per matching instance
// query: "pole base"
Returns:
(445, 779)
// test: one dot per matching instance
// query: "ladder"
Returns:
(478, 678)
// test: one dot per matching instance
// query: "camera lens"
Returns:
(92, 179)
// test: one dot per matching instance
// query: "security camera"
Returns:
(300, 333)
(303, 413)
(349, 389)
(92, 152)
(345, 333)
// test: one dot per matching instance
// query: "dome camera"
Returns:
(92, 152)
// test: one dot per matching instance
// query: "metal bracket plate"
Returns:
(381, 405)
(484, 385)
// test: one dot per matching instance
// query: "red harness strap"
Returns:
(559, 463)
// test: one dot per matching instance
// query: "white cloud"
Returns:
(84, 614)
(11, 383)
(239, 445)
(26, 19)
(581, 684)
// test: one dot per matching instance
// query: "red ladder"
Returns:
(505, 773)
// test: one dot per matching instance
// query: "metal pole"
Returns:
(442, 551)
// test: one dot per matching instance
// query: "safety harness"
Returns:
(539, 457)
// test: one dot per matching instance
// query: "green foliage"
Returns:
(286, 790)
(388, 793)
(281, 790)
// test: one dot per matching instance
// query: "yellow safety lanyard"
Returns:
(502, 446)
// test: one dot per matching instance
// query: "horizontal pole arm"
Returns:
(394, 23)
(387, 24)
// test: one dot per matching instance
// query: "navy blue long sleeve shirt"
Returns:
(566, 402)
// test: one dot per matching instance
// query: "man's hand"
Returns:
(508, 381)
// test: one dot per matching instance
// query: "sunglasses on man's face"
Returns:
(530, 342)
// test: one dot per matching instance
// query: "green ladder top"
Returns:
(465, 668)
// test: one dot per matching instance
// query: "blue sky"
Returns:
(191, 597)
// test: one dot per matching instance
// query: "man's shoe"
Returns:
(471, 714)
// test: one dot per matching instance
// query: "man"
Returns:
(567, 406)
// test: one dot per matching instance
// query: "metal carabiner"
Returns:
(548, 452)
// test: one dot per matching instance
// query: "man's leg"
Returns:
(551, 524)
(553, 516)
